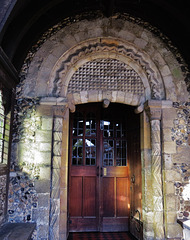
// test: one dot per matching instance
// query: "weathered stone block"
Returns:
(120, 96)
(169, 147)
(93, 96)
(45, 147)
(77, 98)
(43, 230)
(174, 231)
(107, 95)
(84, 96)
(168, 115)
(167, 161)
(44, 110)
(42, 158)
(171, 175)
(45, 172)
(167, 135)
(182, 155)
(42, 185)
(43, 136)
(171, 217)
(148, 230)
(141, 43)
(136, 100)
(169, 188)
(165, 70)
(171, 203)
(47, 123)
(43, 200)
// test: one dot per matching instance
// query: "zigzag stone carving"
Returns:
(104, 46)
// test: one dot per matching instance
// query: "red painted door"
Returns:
(99, 176)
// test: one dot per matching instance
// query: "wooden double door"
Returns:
(99, 187)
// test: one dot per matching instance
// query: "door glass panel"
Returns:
(91, 124)
(78, 124)
(77, 152)
(90, 149)
(120, 131)
(121, 146)
(108, 153)
(108, 129)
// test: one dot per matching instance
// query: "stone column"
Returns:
(59, 174)
(153, 108)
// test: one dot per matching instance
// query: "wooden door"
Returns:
(84, 170)
(134, 155)
(114, 180)
(99, 176)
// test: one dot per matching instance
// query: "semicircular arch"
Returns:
(106, 48)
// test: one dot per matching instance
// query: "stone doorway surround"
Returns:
(152, 175)
(56, 76)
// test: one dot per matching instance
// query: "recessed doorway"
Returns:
(99, 167)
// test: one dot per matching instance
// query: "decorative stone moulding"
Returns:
(98, 15)
(95, 64)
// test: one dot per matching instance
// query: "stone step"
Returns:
(17, 231)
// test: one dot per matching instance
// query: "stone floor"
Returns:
(101, 236)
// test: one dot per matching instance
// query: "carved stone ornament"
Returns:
(153, 109)
(80, 62)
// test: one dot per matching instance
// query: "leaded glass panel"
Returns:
(108, 153)
(78, 124)
(90, 150)
(91, 124)
(121, 147)
(77, 152)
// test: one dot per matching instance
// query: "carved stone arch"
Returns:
(106, 48)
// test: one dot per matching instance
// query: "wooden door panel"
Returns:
(83, 171)
(122, 199)
(115, 224)
(89, 197)
(115, 171)
(83, 225)
(75, 206)
(108, 197)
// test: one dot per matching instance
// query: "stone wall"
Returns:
(3, 198)
(176, 166)
(30, 176)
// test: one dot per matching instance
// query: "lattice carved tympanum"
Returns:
(106, 74)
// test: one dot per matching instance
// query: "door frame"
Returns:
(64, 186)
(102, 172)
(149, 117)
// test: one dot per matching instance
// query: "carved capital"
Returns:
(154, 109)
(60, 111)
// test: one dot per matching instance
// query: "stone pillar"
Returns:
(147, 212)
(153, 108)
(59, 174)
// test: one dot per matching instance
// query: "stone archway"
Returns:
(50, 80)
(73, 79)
